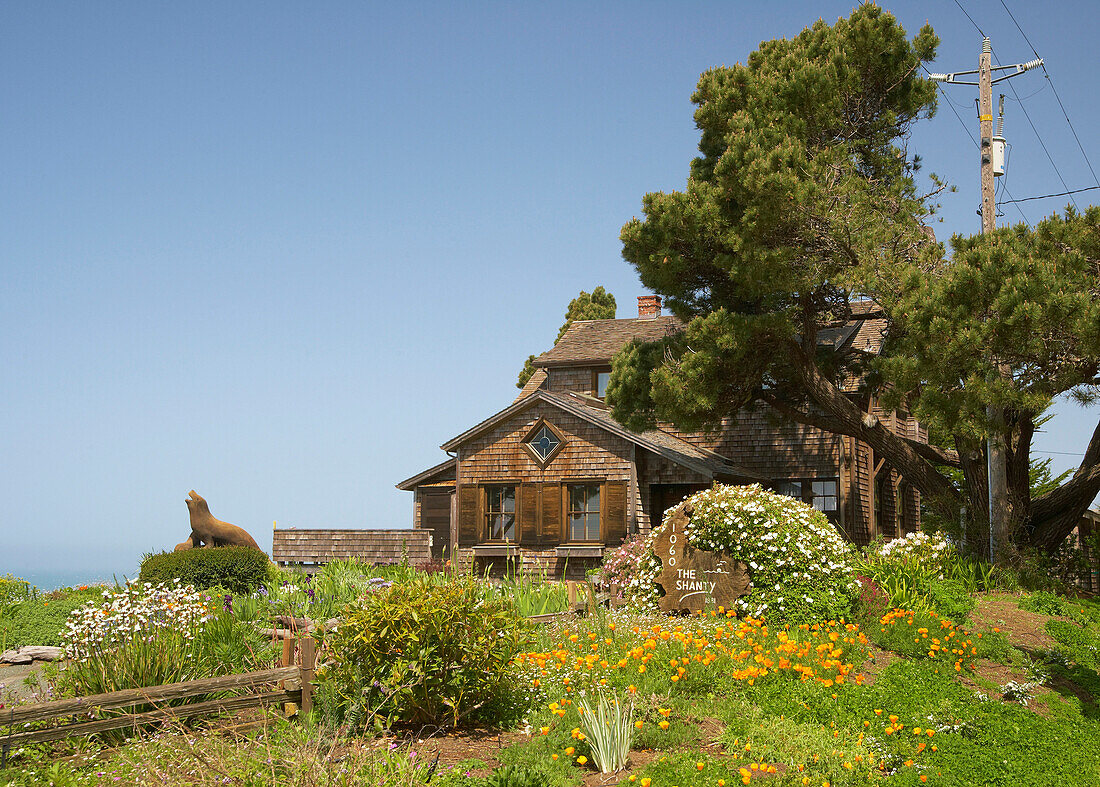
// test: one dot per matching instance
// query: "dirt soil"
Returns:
(1025, 630)
(13, 682)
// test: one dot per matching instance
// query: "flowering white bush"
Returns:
(930, 551)
(802, 569)
(137, 612)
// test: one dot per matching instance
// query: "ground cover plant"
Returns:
(149, 635)
(39, 618)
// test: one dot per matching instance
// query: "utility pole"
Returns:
(1000, 514)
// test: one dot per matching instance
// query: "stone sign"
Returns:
(694, 579)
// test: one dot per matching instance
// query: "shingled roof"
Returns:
(588, 342)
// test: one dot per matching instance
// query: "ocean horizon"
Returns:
(52, 579)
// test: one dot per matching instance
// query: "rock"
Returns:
(29, 653)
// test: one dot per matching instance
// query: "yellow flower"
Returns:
(582, 760)
(646, 781)
(544, 730)
(569, 751)
(699, 766)
(662, 724)
(638, 724)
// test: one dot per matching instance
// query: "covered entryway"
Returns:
(665, 496)
(435, 515)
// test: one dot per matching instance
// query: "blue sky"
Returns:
(279, 252)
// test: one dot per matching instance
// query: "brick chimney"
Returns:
(649, 306)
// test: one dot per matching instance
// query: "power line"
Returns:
(969, 133)
(1055, 91)
(1048, 196)
(1042, 144)
(968, 16)
(1031, 123)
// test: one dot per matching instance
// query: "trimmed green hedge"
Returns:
(237, 569)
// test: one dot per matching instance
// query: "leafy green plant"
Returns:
(1080, 643)
(238, 569)
(920, 585)
(514, 776)
(1044, 602)
(421, 653)
(532, 594)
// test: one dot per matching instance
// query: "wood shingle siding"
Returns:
(314, 547)
(497, 455)
(641, 474)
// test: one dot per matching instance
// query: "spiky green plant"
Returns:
(609, 729)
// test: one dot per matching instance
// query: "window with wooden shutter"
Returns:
(528, 514)
(550, 526)
(468, 519)
(614, 516)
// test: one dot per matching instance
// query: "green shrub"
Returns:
(420, 653)
(13, 590)
(920, 585)
(802, 569)
(237, 569)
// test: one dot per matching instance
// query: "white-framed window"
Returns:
(500, 512)
(820, 494)
(584, 511)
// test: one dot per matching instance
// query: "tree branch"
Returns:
(1083, 486)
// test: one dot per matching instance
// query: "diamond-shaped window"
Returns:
(543, 442)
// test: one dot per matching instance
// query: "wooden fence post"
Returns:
(309, 660)
(289, 708)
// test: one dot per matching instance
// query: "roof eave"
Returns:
(411, 483)
(559, 364)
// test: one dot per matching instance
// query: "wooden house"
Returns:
(552, 480)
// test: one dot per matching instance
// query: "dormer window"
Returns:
(543, 442)
(601, 380)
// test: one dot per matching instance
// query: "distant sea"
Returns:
(54, 579)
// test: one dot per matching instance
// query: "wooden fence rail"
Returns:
(292, 684)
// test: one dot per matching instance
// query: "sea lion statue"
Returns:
(210, 532)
